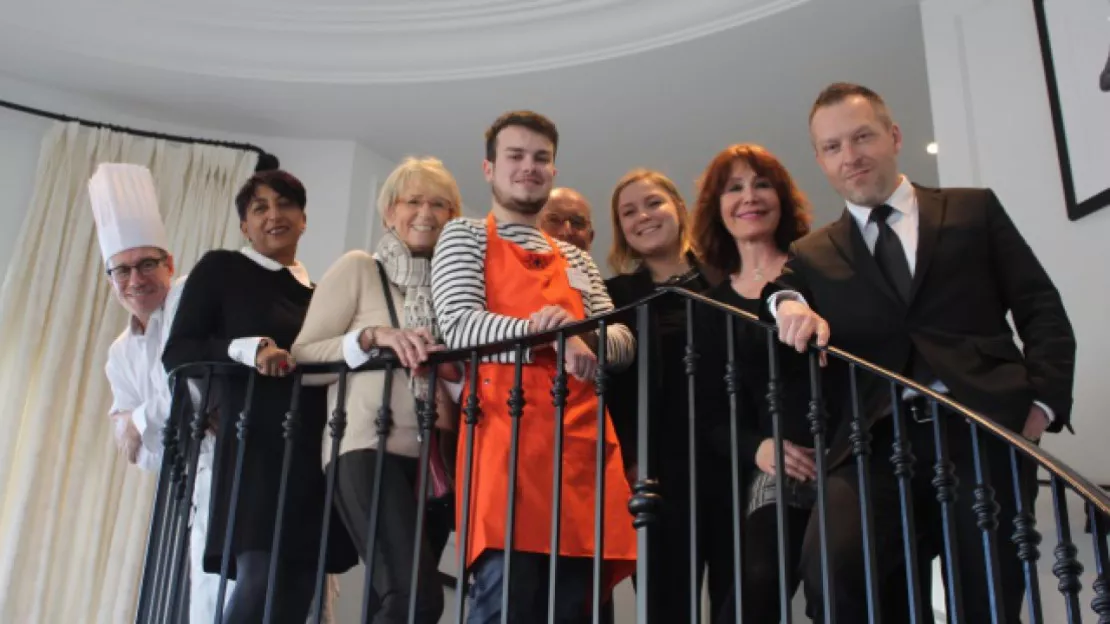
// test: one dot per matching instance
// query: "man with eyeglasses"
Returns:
(566, 216)
(134, 245)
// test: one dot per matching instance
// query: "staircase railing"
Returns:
(163, 593)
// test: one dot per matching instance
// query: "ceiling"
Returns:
(654, 83)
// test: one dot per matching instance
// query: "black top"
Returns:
(228, 296)
(668, 338)
(754, 422)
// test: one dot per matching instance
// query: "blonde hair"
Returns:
(427, 171)
(622, 257)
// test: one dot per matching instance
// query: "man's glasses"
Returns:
(576, 223)
(121, 273)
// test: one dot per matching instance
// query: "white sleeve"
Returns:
(352, 351)
(244, 350)
(784, 295)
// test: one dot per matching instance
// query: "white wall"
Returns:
(339, 175)
(993, 127)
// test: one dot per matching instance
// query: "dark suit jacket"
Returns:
(973, 267)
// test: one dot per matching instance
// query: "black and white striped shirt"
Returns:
(459, 289)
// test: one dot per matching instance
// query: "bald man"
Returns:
(566, 216)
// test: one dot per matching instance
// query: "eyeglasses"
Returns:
(434, 203)
(576, 222)
(122, 272)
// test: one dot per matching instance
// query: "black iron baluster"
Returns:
(1026, 537)
(1067, 567)
(559, 397)
(1100, 604)
(427, 423)
(177, 524)
(152, 592)
(691, 361)
(290, 426)
(229, 532)
(185, 501)
(903, 460)
(945, 483)
(516, 410)
(472, 411)
(646, 502)
(782, 521)
(599, 485)
(861, 449)
(817, 428)
(383, 424)
(986, 515)
(338, 426)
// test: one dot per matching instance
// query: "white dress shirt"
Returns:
(903, 220)
(138, 380)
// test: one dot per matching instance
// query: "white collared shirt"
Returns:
(138, 379)
(903, 220)
(245, 350)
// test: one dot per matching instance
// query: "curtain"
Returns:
(73, 515)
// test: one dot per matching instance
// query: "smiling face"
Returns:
(857, 148)
(141, 279)
(522, 171)
(418, 216)
(273, 224)
(649, 218)
(750, 205)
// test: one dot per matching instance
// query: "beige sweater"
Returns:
(348, 299)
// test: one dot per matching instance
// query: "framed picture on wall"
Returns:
(1075, 49)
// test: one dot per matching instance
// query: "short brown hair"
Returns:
(622, 258)
(837, 92)
(525, 119)
(282, 182)
(713, 240)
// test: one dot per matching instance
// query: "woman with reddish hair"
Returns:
(748, 213)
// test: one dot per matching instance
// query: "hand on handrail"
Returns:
(798, 323)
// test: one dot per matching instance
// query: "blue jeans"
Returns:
(528, 589)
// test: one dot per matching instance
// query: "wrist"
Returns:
(369, 338)
(263, 344)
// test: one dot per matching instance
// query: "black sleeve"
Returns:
(793, 277)
(1038, 313)
(196, 334)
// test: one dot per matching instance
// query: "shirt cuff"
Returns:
(244, 350)
(1047, 411)
(149, 461)
(783, 295)
(454, 388)
(352, 351)
(151, 436)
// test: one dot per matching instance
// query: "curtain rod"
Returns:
(266, 160)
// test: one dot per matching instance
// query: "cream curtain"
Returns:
(74, 516)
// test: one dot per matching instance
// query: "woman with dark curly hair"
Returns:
(748, 213)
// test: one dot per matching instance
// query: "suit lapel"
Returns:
(849, 242)
(930, 216)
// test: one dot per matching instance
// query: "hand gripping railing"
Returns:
(894, 580)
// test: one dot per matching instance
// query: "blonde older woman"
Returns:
(349, 317)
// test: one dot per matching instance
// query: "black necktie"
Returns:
(890, 255)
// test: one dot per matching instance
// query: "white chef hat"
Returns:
(125, 208)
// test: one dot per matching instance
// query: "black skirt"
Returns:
(257, 510)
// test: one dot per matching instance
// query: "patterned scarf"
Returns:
(413, 275)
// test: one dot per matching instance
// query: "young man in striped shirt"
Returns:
(500, 278)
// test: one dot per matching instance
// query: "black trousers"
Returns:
(845, 535)
(759, 557)
(292, 593)
(393, 557)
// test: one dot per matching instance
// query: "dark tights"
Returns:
(292, 595)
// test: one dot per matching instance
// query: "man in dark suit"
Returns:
(920, 282)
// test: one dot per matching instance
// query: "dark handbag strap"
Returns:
(387, 288)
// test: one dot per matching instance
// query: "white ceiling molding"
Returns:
(398, 41)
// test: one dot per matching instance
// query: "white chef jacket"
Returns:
(138, 379)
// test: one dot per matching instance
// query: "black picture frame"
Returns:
(1076, 209)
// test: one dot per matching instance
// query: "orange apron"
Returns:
(518, 283)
